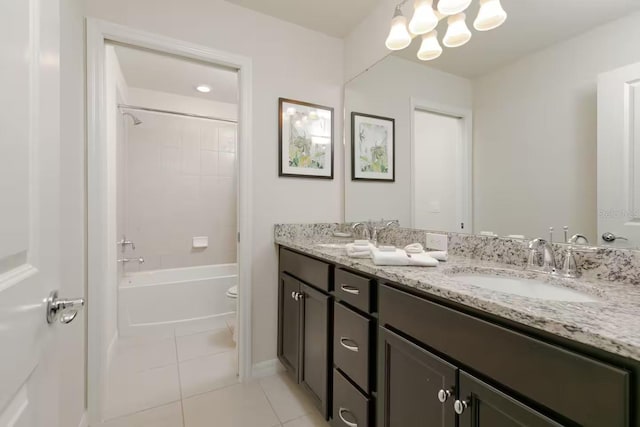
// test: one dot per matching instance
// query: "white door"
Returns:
(29, 218)
(438, 199)
(619, 157)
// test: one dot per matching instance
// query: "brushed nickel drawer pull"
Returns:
(350, 289)
(349, 423)
(343, 342)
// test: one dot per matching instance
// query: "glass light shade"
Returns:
(399, 36)
(490, 16)
(424, 17)
(430, 48)
(453, 7)
(458, 33)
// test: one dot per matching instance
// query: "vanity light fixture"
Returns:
(203, 88)
(457, 33)
(490, 16)
(425, 20)
(399, 36)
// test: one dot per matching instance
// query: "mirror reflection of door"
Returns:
(439, 194)
(619, 157)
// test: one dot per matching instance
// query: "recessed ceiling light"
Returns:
(203, 88)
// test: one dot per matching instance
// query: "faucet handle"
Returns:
(570, 265)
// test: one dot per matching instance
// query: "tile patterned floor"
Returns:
(189, 381)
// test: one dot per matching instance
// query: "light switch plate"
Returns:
(438, 242)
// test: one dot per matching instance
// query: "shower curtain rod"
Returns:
(177, 113)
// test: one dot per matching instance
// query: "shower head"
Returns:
(136, 121)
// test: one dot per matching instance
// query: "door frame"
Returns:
(100, 244)
(465, 183)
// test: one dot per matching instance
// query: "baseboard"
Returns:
(84, 421)
(266, 368)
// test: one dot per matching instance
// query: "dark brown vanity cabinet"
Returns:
(304, 314)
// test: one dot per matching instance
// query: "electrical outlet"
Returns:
(438, 242)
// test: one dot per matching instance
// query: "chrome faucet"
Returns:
(541, 256)
(365, 230)
(375, 231)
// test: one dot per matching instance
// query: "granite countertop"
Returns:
(611, 324)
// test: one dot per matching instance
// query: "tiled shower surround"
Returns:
(180, 183)
(596, 263)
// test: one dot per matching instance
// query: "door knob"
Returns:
(610, 237)
(460, 405)
(64, 309)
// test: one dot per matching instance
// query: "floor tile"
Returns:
(128, 392)
(241, 405)
(163, 416)
(136, 356)
(287, 398)
(313, 420)
(208, 373)
(204, 344)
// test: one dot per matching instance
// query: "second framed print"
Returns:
(372, 148)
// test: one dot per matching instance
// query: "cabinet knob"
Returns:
(444, 395)
(460, 405)
(293, 294)
(297, 295)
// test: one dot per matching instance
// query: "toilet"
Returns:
(232, 304)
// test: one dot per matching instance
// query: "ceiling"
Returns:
(166, 73)
(531, 25)
(333, 17)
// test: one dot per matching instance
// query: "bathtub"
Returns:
(178, 299)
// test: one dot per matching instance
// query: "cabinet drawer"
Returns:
(350, 407)
(354, 289)
(309, 270)
(351, 345)
(582, 389)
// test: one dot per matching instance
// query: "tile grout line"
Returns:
(269, 401)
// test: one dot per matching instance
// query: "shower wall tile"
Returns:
(179, 185)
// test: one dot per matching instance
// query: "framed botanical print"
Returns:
(305, 139)
(372, 148)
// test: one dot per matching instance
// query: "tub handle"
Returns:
(126, 260)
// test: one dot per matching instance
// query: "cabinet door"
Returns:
(417, 388)
(289, 331)
(314, 375)
(481, 405)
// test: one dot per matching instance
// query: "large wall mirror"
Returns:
(533, 125)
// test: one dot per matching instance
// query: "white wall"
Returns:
(535, 134)
(288, 61)
(72, 390)
(181, 183)
(386, 90)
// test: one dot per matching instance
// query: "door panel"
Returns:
(314, 375)
(289, 325)
(29, 193)
(619, 155)
(412, 380)
(488, 407)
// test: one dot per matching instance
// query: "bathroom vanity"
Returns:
(403, 346)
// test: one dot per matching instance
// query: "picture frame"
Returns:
(372, 148)
(305, 139)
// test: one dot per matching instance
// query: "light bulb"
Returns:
(490, 16)
(430, 48)
(458, 33)
(424, 17)
(453, 7)
(399, 36)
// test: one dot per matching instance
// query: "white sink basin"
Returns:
(525, 288)
(332, 245)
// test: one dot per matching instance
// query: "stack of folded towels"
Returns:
(413, 254)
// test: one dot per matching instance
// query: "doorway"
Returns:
(441, 179)
(169, 184)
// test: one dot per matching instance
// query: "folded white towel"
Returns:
(400, 258)
(354, 251)
(387, 248)
(414, 248)
(439, 255)
(361, 243)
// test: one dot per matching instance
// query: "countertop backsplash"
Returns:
(596, 263)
